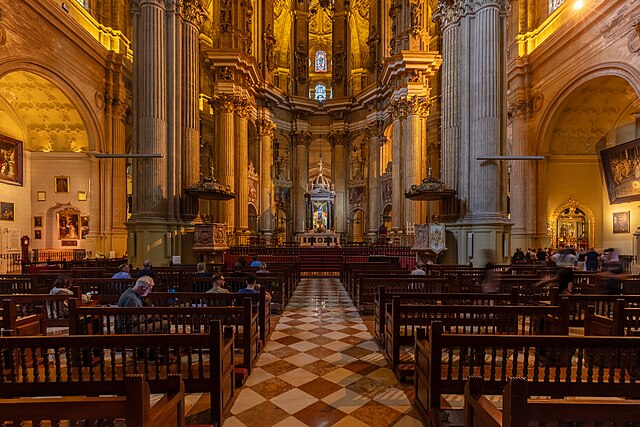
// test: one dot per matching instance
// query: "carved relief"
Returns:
(447, 13)
(395, 5)
(372, 43)
(225, 16)
(416, 17)
(254, 182)
(356, 196)
(519, 108)
(225, 73)
(193, 11)
(248, 25)
(302, 63)
(338, 59)
(357, 163)
(269, 43)
(386, 185)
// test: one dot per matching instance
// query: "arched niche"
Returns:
(572, 224)
(357, 225)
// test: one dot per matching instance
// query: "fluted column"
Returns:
(374, 134)
(488, 98)
(397, 193)
(301, 182)
(339, 174)
(225, 155)
(523, 206)
(448, 15)
(193, 15)
(242, 169)
(267, 133)
(150, 126)
(414, 164)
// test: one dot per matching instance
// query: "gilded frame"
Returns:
(621, 167)
(11, 161)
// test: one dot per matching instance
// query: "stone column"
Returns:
(397, 196)
(150, 126)
(413, 162)
(447, 16)
(118, 191)
(267, 132)
(523, 194)
(242, 169)
(374, 138)
(225, 153)
(339, 174)
(301, 182)
(193, 15)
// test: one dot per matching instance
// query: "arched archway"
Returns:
(357, 225)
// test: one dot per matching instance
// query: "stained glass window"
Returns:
(320, 92)
(554, 4)
(321, 62)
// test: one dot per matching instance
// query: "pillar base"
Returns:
(152, 240)
(477, 243)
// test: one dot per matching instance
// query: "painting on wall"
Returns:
(7, 211)
(37, 221)
(621, 166)
(68, 221)
(10, 161)
(621, 222)
(37, 234)
(61, 184)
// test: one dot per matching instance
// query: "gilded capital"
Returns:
(266, 128)
(193, 11)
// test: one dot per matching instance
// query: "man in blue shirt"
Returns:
(252, 287)
(255, 262)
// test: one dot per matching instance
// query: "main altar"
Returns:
(320, 210)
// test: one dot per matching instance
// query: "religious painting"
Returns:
(37, 234)
(68, 221)
(320, 218)
(7, 211)
(69, 243)
(10, 161)
(84, 232)
(61, 184)
(85, 221)
(621, 166)
(621, 222)
(37, 221)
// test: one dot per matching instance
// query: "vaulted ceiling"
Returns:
(40, 114)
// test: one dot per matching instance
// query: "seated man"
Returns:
(123, 272)
(132, 297)
(201, 270)
(252, 287)
(218, 288)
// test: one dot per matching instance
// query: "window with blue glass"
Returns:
(321, 62)
(320, 92)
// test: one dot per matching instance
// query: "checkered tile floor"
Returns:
(322, 368)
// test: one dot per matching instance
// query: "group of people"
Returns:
(585, 260)
(133, 296)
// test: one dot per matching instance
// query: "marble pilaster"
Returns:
(225, 153)
(241, 170)
(397, 196)
(374, 202)
(301, 182)
(339, 181)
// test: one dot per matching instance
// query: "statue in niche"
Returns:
(416, 18)
(338, 68)
(302, 66)
(269, 42)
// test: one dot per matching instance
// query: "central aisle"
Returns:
(321, 367)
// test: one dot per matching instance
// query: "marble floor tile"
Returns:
(322, 368)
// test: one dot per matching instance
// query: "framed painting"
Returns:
(41, 196)
(68, 221)
(61, 184)
(621, 167)
(10, 161)
(7, 211)
(85, 221)
(37, 234)
(84, 232)
(37, 221)
(621, 222)
(69, 243)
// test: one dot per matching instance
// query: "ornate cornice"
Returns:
(194, 12)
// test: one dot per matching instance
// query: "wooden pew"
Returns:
(64, 365)
(134, 407)
(366, 273)
(368, 285)
(174, 320)
(520, 410)
(402, 321)
(107, 289)
(14, 325)
(624, 321)
(15, 285)
(201, 299)
(577, 366)
(603, 305)
(409, 296)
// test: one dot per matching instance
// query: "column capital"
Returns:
(338, 138)
(447, 13)
(194, 12)
(471, 7)
(301, 137)
(374, 129)
(409, 106)
(230, 104)
(266, 128)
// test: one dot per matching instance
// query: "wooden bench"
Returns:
(107, 289)
(134, 407)
(518, 409)
(402, 321)
(369, 273)
(14, 325)
(368, 285)
(603, 305)
(62, 365)
(200, 299)
(624, 321)
(273, 285)
(577, 366)
(174, 320)
(410, 296)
